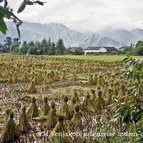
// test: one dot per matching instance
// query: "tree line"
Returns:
(45, 47)
(136, 50)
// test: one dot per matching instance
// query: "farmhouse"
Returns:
(2, 50)
(108, 50)
(75, 50)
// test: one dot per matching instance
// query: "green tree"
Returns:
(138, 50)
(1, 45)
(8, 42)
(24, 48)
(60, 48)
(31, 44)
(38, 45)
(49, 44)
(39, 48)
(44, 45)
(52, 49)
(14, 48)
(32, 50)
(16, 41)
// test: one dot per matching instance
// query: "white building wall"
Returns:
(91, 51)
(102, 50)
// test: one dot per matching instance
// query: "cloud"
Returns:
(86, 15)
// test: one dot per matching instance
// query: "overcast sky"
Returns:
(86, 15)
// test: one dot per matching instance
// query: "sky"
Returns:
(85, 15)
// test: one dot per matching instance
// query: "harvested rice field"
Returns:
(59, 100)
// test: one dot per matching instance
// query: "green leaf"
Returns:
(127, 119)
(115, 117)
(4, 12)
(28, 2)
(22, 7)
(3, 27)
(40, 3)
(1, 0)
(137, 116)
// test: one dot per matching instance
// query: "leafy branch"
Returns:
(131, 112)
(7, 12)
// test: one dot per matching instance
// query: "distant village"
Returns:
(98, 50)
(48, 45)
(89, 50)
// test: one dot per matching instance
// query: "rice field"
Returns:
(62, 99)
(105, 58)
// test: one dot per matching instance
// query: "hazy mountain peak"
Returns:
(58, 25)
(107, 37)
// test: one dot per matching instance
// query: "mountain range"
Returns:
(54, 31)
